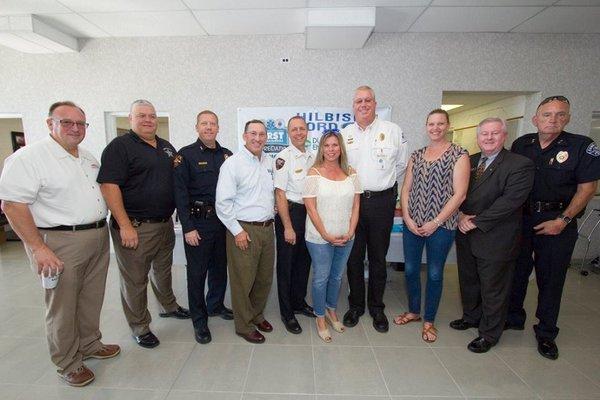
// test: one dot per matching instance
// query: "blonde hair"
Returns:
(342, 160)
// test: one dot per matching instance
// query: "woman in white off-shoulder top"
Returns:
(331, 195)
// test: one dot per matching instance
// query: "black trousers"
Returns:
(293, 263)
(484, 289)
(551, 256)
(209, 258)
(372, 236)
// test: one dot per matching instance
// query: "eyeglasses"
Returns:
(333, 131)
(547, 100)
(68, 124)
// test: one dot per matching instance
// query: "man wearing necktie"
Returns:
(488, 237)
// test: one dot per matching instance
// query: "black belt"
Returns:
(293, 204)
(542, 206)
(258, 223)
(93, 225)
(367, 194)
(205, 211)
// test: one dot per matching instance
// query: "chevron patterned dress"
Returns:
(432, 185)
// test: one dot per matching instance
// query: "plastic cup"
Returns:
(50, 281)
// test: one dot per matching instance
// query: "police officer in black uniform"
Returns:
(196, 173)
(567, 170)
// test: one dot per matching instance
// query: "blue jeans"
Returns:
(328, 263)
(438, 245)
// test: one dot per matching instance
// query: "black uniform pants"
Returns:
(209, 258)
(293, 263)
(550, 255)
(373, 236)
(484, 289)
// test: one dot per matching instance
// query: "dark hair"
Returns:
(438, 111)
(68, 103)
(300, 117)
(254, 121)
(560, 98)
(207, 112)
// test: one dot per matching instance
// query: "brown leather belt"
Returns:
(258, 223)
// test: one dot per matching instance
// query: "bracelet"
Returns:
(437, 221)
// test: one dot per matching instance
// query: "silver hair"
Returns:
(140, 102)
(490, 120)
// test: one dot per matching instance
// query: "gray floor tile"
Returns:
(418, 367)
(24, 361)
(281, 369)
(197, 395)
(279, 396)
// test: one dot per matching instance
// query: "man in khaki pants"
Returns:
(136, 180)
(245, 204)
(53, 203)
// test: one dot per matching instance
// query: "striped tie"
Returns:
(480, 168)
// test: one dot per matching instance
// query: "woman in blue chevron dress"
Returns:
(436, 183)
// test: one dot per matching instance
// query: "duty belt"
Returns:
(200, 209)
(542, 206)
(93, 225)
(367, 194)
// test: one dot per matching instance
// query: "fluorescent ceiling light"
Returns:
(448, 107)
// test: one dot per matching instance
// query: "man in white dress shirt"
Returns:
(378, 153)
(52, 200)
(245, 205)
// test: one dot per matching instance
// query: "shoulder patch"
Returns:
(593, 150)
(177, 160)
(279, 163)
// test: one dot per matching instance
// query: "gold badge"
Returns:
(562, 156)
(225, 156)
(177, 160)
(298, 170)
(381, 136)
(202, 163)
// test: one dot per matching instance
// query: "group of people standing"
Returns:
(507, 211)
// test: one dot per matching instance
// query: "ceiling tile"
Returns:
(11, 7)
(367, 3)
(123, 6)
(243, 4)
(74, 25)
(171, 23)
(492, 3)
(472, 19)
(396, 19)
(253, 22)
(563, 20)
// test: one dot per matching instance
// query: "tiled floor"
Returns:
(359, 364)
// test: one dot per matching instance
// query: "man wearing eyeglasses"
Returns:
(52, 201)
(136, 179)
(377, 150)
(196, 172)
(566, 175)
(245, 205)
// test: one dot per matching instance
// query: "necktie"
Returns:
(480, 168)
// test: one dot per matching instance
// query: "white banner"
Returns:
(317, 119)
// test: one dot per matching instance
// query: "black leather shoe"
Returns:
(462, 325)
(480, 345)
(179, 313)
(351, 318)
(515, 327)
(147, 340)
(306, 310)
(380, 322)
(547, 348)
(225, 313)
(202, 335)
(292, 325)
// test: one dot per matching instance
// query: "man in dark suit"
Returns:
(488, 237)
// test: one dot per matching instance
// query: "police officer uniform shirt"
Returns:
(379, 153)
(569, 160)
(59, 189)
(289, 171)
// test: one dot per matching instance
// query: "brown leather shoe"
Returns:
(79, 377)
(252, 337)
(265, 326)
(106, 351)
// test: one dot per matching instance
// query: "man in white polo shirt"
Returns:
(52, 201)
(378, 152)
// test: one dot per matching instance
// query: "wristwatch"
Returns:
(565, 218)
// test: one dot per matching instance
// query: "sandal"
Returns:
(336, 325)
(404, 319)
(324, 335)
(429, 331)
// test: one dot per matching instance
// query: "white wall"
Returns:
(8, 125)
(183, 75)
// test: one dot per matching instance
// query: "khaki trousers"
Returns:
(152, 258)
(250, 276)
(73, 306)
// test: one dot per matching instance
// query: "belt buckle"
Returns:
(135, 223)
(367, 194)
(537, 206)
